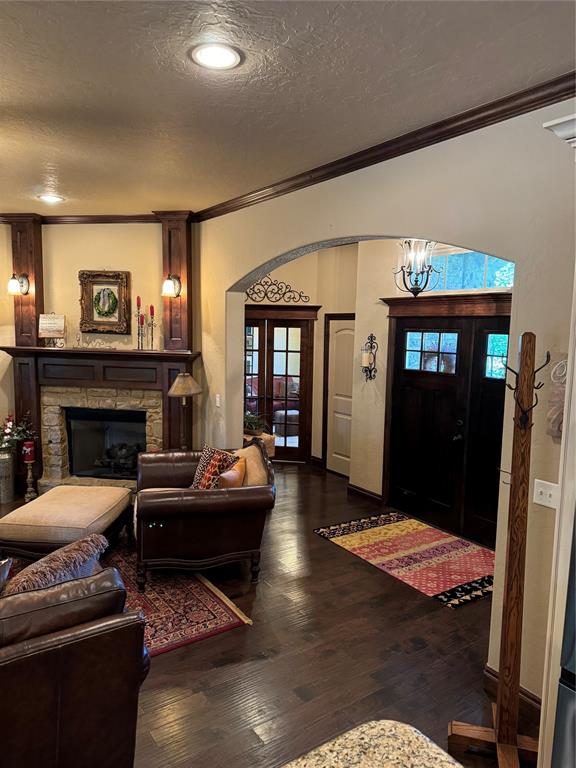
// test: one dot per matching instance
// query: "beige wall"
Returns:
(377, 260)
(69, 248)
(505, 190)
(6, 324)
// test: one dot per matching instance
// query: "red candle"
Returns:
(141, 319)
(29, 450)
(151, 310)
(138, 302)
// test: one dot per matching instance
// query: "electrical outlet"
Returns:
(546, 494)
(218, 400)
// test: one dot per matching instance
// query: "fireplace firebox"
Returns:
(105, 443)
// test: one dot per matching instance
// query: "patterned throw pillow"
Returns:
(213, 462)
(5, 566)
(73, 561)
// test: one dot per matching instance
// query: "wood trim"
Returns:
(388, 409)
(461, 305)
(357, 491)
(530, 704)
(550, 92)
(283, 312)
(100, 352)
(134, 218)
(328, 317)
(177, 260)
(27, 260)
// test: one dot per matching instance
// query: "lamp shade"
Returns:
(184, 385)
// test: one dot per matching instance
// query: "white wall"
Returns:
(506, 190)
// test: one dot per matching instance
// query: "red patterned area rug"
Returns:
(438, 564)
(179, 608)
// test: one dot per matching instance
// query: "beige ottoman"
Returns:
(64, 514)
(379, 744)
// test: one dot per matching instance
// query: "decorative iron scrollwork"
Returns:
(275, 291)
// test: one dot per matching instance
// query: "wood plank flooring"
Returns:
(335, 643)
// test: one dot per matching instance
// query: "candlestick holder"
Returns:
(30, 491)
(151, 325)
(140, 328)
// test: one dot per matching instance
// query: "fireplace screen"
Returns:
(105, 442)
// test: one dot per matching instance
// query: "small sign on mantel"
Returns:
(52, 326)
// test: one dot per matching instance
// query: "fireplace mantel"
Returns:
(131, 354)
(100, 369)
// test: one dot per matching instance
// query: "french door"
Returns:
(446, 421)
(278, 379)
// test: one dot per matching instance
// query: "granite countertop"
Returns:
(378, 744)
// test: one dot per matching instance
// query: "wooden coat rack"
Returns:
(503, 739)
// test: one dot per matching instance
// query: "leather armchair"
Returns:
(71, 666)
(178, 527)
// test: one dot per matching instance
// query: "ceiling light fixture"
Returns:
(216, 56)
(417, 269)
(51, 198)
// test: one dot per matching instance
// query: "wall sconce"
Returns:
(18, 285)
(171, 287)
(368, 357)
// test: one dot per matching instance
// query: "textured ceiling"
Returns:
(101, 100)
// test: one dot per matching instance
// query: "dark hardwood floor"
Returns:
(335, 643)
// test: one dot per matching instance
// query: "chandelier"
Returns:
(417, 269)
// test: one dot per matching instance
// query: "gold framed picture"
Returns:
(104, 302)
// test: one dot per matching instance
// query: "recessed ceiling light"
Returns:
(51, 197)
(216, 56)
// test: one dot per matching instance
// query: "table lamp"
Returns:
(184, 386)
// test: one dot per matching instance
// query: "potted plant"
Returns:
(12, 433)
(253, 424)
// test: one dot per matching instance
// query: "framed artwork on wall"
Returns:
(104, 302)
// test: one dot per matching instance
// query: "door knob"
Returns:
(457, 438)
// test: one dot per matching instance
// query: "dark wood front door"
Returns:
(446, 421)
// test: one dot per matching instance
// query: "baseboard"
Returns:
(316, 461)
(530, 704)
(357, 491)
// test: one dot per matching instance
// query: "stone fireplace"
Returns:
(55, 448)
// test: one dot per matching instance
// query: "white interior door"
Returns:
(339, 415)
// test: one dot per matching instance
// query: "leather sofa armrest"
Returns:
(167, 469)
(26, 615)
(76, 634)
(175, 502)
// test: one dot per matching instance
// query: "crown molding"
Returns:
(550, 92)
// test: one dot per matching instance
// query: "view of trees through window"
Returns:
(464, 271)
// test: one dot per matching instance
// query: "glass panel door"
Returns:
(278, 381)
(286, 386)
(254, 368)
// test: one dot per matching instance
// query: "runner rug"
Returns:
(438, 564)
(179, 608)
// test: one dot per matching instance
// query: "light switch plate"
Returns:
(218, 400)
(546, 494)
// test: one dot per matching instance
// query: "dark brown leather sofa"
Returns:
(71, 666)
(178, 527)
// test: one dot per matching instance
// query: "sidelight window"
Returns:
(431, 351)
(496, 355)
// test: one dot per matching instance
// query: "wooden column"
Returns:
(27, 260)
(177, 260)
(513, 601)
